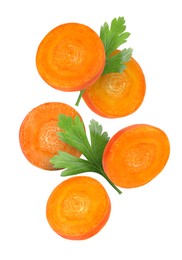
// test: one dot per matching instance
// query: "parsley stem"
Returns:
(110, 182)
(79, 97)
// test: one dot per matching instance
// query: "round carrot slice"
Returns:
(71, 57)
(78, 208)
(116, 95)
(38, 134)
(135, 155)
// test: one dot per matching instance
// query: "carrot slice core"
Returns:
(116, 95)
(78, 208)
(38, 134)
(71, 57)
(135, 155)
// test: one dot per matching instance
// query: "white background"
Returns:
(146, 222)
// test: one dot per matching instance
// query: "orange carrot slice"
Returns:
(71, 57)
(117, 94)
(38, 134)
(78, 208)
(135, 155)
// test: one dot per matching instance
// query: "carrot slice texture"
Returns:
(78, 208)
(117, 94)
(135, 155)
(38, 134)
(70, 57)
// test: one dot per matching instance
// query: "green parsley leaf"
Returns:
(115, 36)
(73, 133)
(116, 63)
(112, 38)
(99, 139)
(66, 160)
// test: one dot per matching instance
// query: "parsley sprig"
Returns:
(113, 37)
(73, 133)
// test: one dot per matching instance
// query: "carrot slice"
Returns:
(78, 208)
(135, 155)
(38, 134)
(117, 94)
(70, 57)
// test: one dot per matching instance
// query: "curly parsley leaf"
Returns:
(73, 133)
